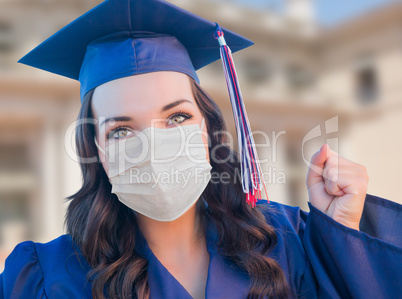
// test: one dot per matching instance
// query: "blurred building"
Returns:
(303, 85)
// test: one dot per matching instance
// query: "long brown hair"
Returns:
(103, 227)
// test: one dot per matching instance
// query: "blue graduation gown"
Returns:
(321, 259)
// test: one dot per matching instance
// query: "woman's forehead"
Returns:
(142, 92)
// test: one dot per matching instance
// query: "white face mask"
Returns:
(159, 173)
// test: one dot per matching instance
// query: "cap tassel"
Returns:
(252, 179)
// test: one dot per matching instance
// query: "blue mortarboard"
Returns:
(120, 38)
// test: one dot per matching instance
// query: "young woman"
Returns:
(192, 235)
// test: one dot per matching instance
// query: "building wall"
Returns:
(372, 136)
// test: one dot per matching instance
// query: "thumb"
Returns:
(316, 166)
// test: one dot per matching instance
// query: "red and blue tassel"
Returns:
(252, 178)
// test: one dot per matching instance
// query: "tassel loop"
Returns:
(219, 35)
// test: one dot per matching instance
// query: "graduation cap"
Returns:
(120, 38)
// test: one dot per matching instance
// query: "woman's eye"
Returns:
(178, 118)
(119, 133)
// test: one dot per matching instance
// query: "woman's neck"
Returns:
(176, 239)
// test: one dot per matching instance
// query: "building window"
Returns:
(367, 85)
(6, 37)
(298, 77)
(257, 70)
(366, 79)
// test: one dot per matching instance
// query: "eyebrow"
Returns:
(116, 118)
(174, 104)
(128, 118)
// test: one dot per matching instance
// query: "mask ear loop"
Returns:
(202, 123)
(97, 145)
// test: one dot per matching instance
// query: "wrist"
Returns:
(350, 224)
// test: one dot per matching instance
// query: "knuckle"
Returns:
(362, 184)
(332, 173)
(364, 170)
(332, 160)
(331, 187)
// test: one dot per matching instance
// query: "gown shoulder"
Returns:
(44, 270)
